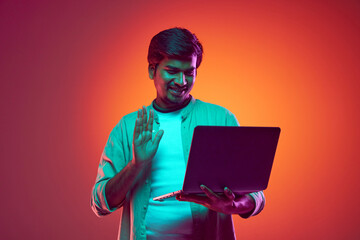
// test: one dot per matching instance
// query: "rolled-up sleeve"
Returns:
(112, 160)
(98, 198)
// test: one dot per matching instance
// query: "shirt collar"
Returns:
(184, 112)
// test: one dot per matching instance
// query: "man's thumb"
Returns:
(158, 137)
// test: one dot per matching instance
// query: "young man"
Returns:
(147, 152)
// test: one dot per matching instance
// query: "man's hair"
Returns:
(176, 43)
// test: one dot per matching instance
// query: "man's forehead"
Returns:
(188, 63)
(187, 67)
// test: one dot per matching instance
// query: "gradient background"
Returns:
(70, 70)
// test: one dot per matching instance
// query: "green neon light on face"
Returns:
(174, 79)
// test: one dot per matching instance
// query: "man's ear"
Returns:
(151, 70)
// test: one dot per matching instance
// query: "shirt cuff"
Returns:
(100, 204)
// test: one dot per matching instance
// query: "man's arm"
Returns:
(118, 186)
(114, 180)
(144, 149)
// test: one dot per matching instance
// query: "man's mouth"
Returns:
(177, 91)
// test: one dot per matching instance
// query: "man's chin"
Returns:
(177, 102)
(180, 100)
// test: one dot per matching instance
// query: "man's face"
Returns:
(173, 81)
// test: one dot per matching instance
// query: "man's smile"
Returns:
(177, 91)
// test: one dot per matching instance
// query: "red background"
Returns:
(70, 70)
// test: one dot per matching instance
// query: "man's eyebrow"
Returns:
(171, 67)
(178, 69)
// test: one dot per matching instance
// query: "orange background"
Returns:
(70, 70)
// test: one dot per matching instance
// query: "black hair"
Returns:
(177, 43)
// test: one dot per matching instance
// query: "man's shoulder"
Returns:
(129, 117)
(214, 114)
(127, 122)
(210, 106)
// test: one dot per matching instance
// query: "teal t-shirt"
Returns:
(169, 219)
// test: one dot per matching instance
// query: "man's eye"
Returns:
(190, 73)
(171, 71)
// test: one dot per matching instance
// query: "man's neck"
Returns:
(171, 109)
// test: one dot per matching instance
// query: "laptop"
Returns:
(239, 158)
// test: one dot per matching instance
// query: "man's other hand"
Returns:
(226, 203)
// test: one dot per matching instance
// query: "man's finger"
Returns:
(193, 198)
(137, 126)
(144, 118)
(140, 121)
(158, 137)
(229, 194)
(137, 129)
(209, 192)
(151, 121)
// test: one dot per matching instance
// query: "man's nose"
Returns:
(180, 79)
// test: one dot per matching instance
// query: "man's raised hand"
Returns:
(144, 147)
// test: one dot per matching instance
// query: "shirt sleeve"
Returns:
(231, 119)
(112, 160)
(98, 198)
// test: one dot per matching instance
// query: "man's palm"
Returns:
(144, 146)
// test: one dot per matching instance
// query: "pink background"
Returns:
(70, 70)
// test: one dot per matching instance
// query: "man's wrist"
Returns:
(138, 165)
(251, 204)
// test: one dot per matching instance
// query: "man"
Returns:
(141, 161)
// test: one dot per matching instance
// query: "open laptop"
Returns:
(239, 158)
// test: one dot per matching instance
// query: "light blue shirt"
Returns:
(118, 152)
